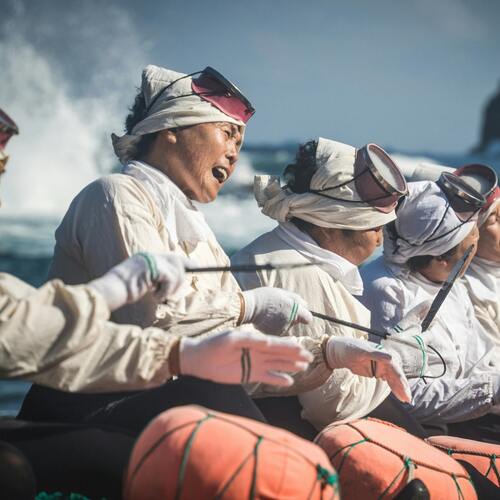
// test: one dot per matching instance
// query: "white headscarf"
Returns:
(335, 165)
(166, 112)
(418, 216)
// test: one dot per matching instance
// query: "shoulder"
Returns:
(378, 279)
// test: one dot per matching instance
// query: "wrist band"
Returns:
(151, 262)
(421, 344)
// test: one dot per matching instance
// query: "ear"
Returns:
(170, 135)
(442, 262)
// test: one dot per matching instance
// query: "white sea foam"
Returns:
(65, 112)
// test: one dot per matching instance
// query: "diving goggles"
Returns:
(377, 179)
(462, 197)
(483, 179)
(8, 128)
(216, 89)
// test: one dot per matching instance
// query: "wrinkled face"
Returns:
(202, 158)
(489, 237)
(354, 246)
(363, 243)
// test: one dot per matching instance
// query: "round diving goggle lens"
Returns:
(463, 198)
(214, 88)
(482, 178)
(223, 94)
(378, 180)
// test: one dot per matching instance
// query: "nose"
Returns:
(233, 152)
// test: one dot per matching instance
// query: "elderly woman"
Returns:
(182, 143)
(331, 211)
(483, 275)
(59, 336)
(436, 224)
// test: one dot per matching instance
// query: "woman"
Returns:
(483, 275)
(332, 211)
(436, 224)
(183, 140)
(59, 336)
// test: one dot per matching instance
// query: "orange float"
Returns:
(485, 457)
(194, 453)
(376, 459)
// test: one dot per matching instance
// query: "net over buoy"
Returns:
(376, 459)
(484, 457)
(194, 453)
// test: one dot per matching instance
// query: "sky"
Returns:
(410, 75)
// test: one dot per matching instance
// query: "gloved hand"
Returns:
(273, 310)
(406, 342)
(367, 359)
(142, 273)
(241, 357)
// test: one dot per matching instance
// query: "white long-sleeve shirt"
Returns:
(340, 395)
(59, 336)
(466, 390)
(482, 281)
(143, 210)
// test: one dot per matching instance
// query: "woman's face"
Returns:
(489, 237)
(201, 158)
(354, 246)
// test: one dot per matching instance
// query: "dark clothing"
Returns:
(392, 410)
(133, 411)
(71, 458)
(285, 412)
(485, 428)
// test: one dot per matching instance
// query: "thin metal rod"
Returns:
(249, 268)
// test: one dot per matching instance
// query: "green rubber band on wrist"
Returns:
(151, 262)
(293, 312)
(421, 344)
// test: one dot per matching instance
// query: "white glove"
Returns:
(273, 310)
(406, 342)
(241, 357)
(367, 359)
(130, 280)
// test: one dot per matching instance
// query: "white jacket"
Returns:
(343, 396)
(142, 210)
(482, 281)
(59, 336)
(466, 390)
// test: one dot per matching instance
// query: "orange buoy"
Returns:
(485, 457)
(190, 452)
(376, 459)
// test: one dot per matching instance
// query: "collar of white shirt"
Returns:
(335, 265)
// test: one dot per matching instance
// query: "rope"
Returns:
(255, 464)
(493, 467)
(185, 456)
(459, 490)
(349, 448)
(407, 465)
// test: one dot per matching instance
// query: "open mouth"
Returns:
(221, 174)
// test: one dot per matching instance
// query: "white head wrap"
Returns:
(419, 218)
(335, 165)
(166, 112)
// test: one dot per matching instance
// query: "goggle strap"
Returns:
(168, 86)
